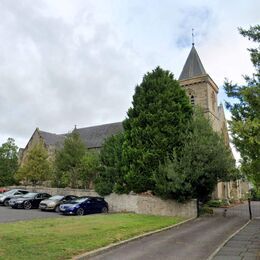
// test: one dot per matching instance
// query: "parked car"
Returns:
(84, 205)
(15, 193)
(29, 200)
(53, 203)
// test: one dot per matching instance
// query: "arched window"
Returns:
(192, 100)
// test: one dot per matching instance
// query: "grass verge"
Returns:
(63, 238)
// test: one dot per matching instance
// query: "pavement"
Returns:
(245, 245)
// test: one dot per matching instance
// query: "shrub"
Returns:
(206, 210)
(215, 203)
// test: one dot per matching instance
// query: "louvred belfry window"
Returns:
(192, 100)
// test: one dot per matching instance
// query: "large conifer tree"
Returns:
(153, 128)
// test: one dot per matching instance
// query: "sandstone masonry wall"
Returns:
(129, 203)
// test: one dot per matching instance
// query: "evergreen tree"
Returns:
(36, 168)
(245, 110)
(153, 128)
(68, 161)
(8, 162)
(89, 167)
(110, 177)
(203, 161)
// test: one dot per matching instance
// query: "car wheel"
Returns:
(27, 205)
(80, 212)
(6, 203)
(57, 209)
(104, 210)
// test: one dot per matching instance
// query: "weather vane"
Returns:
(192, 34)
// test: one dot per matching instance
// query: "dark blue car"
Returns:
(84, 205)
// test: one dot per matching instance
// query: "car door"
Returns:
(99, 204)
(90, 205)
(37, 199)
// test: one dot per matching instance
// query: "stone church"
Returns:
(202, 91)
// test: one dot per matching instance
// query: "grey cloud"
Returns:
(54, 73)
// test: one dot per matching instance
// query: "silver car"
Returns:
(15, 193)
(53, 203)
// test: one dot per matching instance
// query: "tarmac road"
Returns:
(8, 214)
(194, 240)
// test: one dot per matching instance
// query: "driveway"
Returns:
(10, 215)
(197, 239)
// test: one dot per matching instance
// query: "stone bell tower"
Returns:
(199, 86)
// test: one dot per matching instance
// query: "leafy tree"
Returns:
(203, 161)
(8, 162)
(110, 177)
(245, 110)
(89, 166)
(154, 127)
(68, 161)
(36, 168)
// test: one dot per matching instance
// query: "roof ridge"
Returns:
(99, 125)
(41, 131)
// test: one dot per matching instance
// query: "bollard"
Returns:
(249, 207)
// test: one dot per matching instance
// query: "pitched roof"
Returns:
(93, 136)
(193, 66)
(52, 139)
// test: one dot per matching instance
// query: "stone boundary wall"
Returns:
(140, 204)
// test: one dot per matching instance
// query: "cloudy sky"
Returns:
(77, 62)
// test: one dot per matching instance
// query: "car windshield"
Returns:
(29, 195)
(56, 197)
(10, 192)
(78, 200)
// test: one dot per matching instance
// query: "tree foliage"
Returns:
(154, 127)
(203, 161)
(245, 123)
(75, 165)
(68, 161)
(89, 166)
(110, 176)
(8, 162)
(36, 168)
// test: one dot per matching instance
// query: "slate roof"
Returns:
(193, 66)
(52, 139)
(93, 136)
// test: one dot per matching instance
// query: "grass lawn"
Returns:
(63, 238)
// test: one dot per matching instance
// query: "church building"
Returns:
(202, 91)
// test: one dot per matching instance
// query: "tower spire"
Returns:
(192, 36)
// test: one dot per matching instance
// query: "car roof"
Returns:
(91, 197)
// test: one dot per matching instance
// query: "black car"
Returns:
(29, 201)
(53, 203)
(15, 193)
(84, 205)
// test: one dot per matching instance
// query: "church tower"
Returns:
(199, 86)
